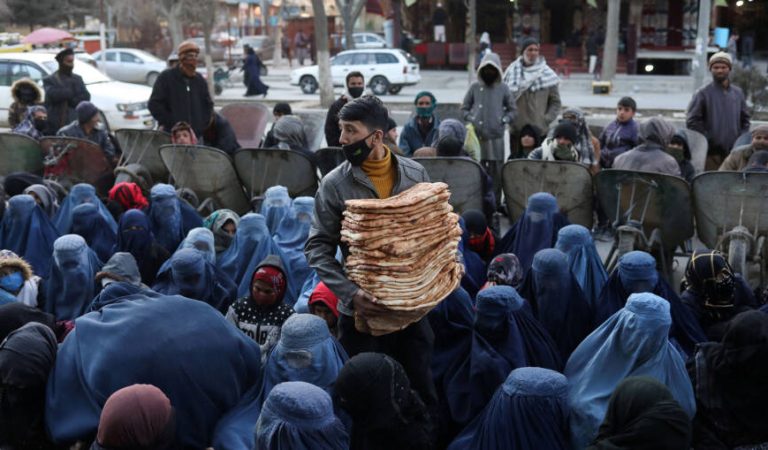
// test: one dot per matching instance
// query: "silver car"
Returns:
(130, 65)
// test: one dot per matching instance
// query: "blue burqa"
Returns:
(170, 218)
(557, 300)
(202, 240)
(135, 237)
(299, 416)
(291, 236)
(528, 412)
(81, 193)
(586, 265)
(475, 269)
(307, 352)
(636, 273)
(187, 273)
(535, 230)
(209, 370)
(632, 342)
(252, 241)
(276, 205)
(72, 284)
(88, 223)
(27, 231)
(506, 336)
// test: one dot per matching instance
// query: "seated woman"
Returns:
(72, 284)
(277, 203)
(179, 340)
(45, 198)
(135, 237)
(26, 231)
(530, 399)
(79, 194)
(636, 272)
(642, 413)
(631, 342)
(170, 218)
(307, 352)
(289, 134)
(506, 336)
(536, 229)
(586, 265)
(202, 240)
(529, 140)
(252, 242)
(729, 378)
(299, 416)
(713, 293)
(223, 223)
(679, 149)
(88, 223)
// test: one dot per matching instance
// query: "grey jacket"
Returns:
(346, 182)
(648, 157)
(537, 108)
(719, 114)
(489, 108)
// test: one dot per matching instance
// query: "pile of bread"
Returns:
(403, 250)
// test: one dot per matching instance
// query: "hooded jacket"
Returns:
(651, 156)
(489, 108)
(28, 293)
(18, 109)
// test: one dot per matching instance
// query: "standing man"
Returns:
(489, 107)
(421, 129)
(180, 94)
(63, 92)
(301, 44)
(718, 111)
(355, 87)
(285, 45)
(88, 126)
(371, 171)
(534, 87)
(439, 20)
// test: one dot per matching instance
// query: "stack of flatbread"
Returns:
(403, 250)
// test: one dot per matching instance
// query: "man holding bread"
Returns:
(372, 171)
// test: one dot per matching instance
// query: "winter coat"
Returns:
(719, 114)
(176, 98)
(18, 109)
(738, 158)
(411, 138)
(489, 108)
(62, 95)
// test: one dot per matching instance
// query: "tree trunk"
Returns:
(264, 17)
(349, 27)
(611, 46)
(700, 68)
(277, 58)
(323, 55)
(471, 33)
(209, 63)
(175, 28)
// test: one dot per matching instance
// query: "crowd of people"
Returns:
(131, 321)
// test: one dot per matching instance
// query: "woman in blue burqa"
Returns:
(202, 240)
(170, 218)
(135, 237)
(276, 205)
(81, 193)
(27, 231)
(636, 272)
(506, 336)
(88, 223)
(557, 300)
(528, 412)
(474, 267)
(252, 69)
(72, 284)
(586, 265)
(188, 273)
(299, 416)
(632, 342)
(183, 348)
(536, 229)
(307, 352)
(291, 235)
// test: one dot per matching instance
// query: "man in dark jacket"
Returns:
(363, 124)
(355, 87)
(718, 111)
(180, 94)
(63, 91)
(88, 126)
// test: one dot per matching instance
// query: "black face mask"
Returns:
(357, 152)
(41, 124)
(355, 92)
(489, 76)
(27, 94)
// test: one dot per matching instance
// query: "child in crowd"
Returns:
(481, 239)
(182, 134)
(280, 110)
(322, 303)
(262, 314)
(621, 134)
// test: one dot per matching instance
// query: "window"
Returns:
(370, 38)
(342, 60)
(386, 58)
(4, 79)
(25, 70)
(129, 58)
(358, 39)
(359, 59)
(111, 56)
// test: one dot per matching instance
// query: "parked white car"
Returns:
(385, 70)
(124, 104)
(365, 40)
(130, 65)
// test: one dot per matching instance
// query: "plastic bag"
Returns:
(472, 143)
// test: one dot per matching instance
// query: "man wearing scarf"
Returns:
(64, 91)
(534, 86)
(181, 94)
(421, 129)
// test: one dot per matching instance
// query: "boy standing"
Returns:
(621, 134)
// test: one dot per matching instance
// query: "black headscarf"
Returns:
(730, 381)
(26, 358)
(15, 315)
(643, 415)
(16, 182)
(386, 413)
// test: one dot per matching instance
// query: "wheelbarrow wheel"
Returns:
(737, 256)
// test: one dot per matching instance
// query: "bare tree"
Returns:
(173, 12)
(5, 10)
(350, 10)
(204, 13)
(471, 6)
(323, 55)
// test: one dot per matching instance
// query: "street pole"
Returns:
(611, 45)
(699, 63)
(471, 33)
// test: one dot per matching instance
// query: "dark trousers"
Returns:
(411, 347)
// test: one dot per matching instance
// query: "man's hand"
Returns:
(366, 304)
